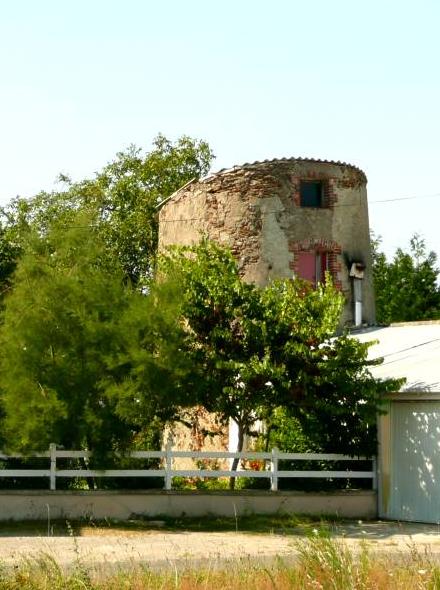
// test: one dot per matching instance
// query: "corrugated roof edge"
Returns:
(246, 165)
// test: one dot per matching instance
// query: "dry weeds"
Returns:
(322, 564)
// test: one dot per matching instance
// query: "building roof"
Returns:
(259, 164)
(410, 350)
(275, 161)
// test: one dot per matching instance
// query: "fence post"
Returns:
(374, 469)
(53, 465)
(168, 463)
(274, 470)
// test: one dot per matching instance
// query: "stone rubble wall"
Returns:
(255, 210)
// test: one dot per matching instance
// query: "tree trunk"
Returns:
(236, 461)
(267, 438)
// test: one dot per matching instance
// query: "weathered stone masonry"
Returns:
(256, 210)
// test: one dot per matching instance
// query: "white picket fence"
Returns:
(269, 462)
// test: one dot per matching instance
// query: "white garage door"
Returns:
(415, 461)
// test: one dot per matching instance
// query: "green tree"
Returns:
(258, 349)
(122, 198)
(9, 253)
(58, 328)
(131, 187)
(66, 341)
(150, 378)
(407, 287)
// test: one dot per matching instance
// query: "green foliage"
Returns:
(340, 413)
(73, 329)
(283, 431)
(58, 328)
(130, 188)
(86, 358)
(149, 378)
(122, 199)
(225, 337)
(200, 483)
(9, 252)
(407, 287)
(258, 349)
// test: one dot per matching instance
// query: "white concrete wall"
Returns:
(36, 505)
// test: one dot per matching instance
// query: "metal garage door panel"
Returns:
(415, 462)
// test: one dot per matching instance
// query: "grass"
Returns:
(321, 564)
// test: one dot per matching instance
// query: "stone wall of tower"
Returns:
(256, 210)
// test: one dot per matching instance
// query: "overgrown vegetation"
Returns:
(77, 325)
(73, 332)
(407, 287)
(318, 562)
(101, 344)
(269, 354)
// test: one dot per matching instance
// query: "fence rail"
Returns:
(270, 470)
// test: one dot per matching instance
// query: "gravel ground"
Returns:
(160, 548)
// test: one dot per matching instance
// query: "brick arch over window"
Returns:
(312, 257)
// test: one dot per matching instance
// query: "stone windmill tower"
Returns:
(282, 218)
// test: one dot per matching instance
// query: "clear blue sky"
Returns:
(357, 81)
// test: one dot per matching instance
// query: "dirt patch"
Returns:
(157, 548)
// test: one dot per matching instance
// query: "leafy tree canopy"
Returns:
(122, 198)
(73, 328)
(258, 349)
(9, 252)
(407, 287)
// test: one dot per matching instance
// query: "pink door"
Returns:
(307, 266)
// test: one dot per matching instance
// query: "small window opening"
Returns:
(312, 193)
